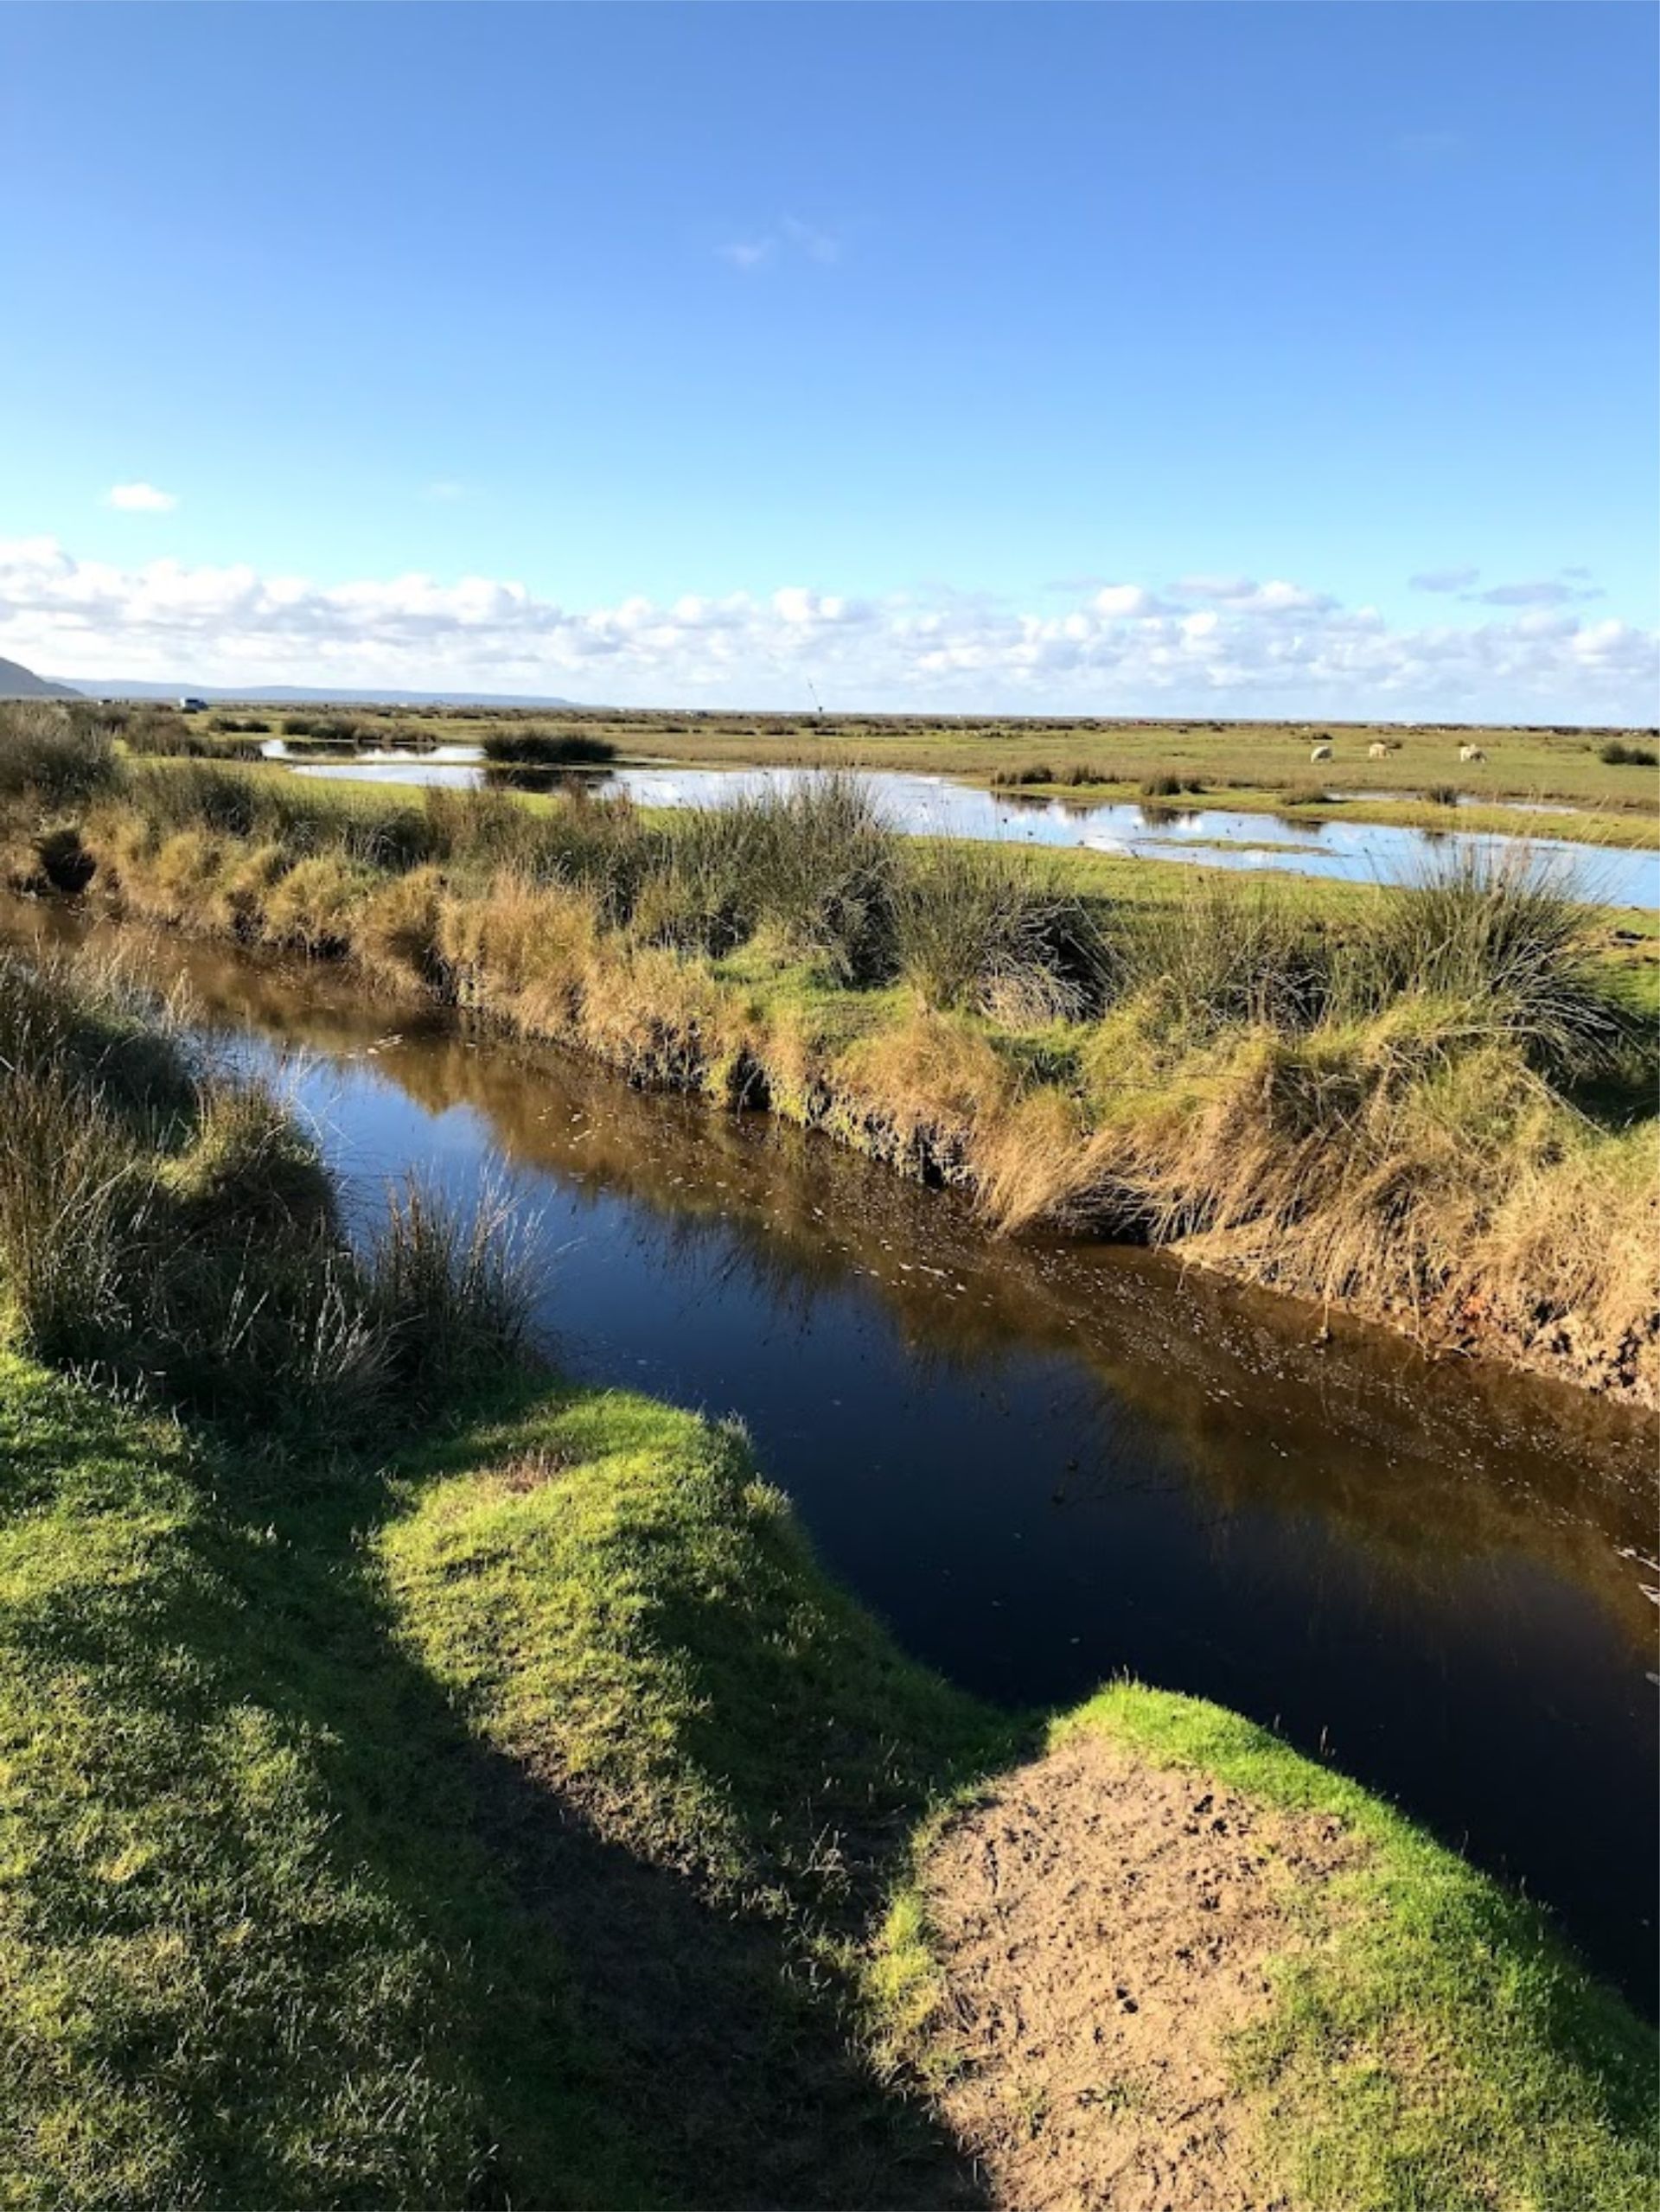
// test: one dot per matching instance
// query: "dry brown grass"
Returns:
(1380, 1119)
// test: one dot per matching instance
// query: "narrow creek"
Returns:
(1044, 1463)
(1217, 837)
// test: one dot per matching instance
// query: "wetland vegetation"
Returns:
(493, 1802)
(1433, 1104)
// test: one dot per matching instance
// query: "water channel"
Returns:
(1046, 1462)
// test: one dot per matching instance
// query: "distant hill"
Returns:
(17, 682)
(117, 687)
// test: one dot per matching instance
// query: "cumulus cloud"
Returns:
(1443, 579)
(1234, 646)
(1242, 595)
(140, 498)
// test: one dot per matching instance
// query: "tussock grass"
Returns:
(172, 1228)
(533, 748)
(53, 757)
(976, 927)
(1292, 1089)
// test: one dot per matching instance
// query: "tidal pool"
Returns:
(1044, 1463)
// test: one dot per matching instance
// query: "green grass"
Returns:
(255, 1950)
(363, 1836)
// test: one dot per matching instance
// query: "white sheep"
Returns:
(1321, 753)
(1471, 753)
(1377, 752)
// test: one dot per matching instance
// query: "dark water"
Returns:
(1221, 837)
(1047, 1464)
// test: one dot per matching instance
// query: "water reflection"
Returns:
(930, 805)
(1044, 1462)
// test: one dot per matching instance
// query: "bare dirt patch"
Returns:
(1103, 1927)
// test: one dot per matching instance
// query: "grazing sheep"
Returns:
(1321, 753)
(1471, 753)
(1377, 752)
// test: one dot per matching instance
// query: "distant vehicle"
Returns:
(193, 706)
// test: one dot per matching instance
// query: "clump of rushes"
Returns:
(1169, 783)
(1617, 754)
(811, 861)
(1499, 935)
(54, 757)
(547, 749)
(172, 1228)
(974, 927)
(1442, 794)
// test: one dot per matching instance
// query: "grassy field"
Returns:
(1434, 1104)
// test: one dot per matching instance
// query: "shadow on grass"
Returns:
(585, 2027)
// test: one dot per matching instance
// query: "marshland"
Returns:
(1238, 1293)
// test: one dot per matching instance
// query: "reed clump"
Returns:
(539, 747)
(172, 1229)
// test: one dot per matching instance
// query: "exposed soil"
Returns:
(1104, 1926)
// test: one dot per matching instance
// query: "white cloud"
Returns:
(140, 498)
(790, 237)
(1250, 648)
(1442, 579)
(1124, 602)
(748, 253)
(1544, 592)
(817, 245)
(1242, 595)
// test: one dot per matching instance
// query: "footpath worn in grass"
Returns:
(509, 1831)
(1424, 2042)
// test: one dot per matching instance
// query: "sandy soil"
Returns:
(1103, 1927)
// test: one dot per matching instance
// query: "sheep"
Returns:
(1321, 753)
(1378, 751)
(1471, 753)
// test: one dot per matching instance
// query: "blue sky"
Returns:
(1001, 356)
